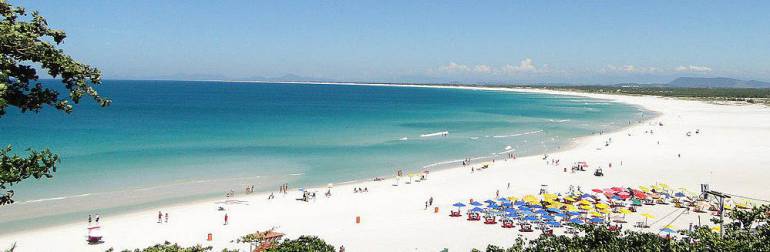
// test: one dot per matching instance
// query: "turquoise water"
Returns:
(162, 141)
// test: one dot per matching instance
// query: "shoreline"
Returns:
(582, 149)
(53, 221)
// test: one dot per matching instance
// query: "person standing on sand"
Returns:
(430, 201)
(226, 218)
(166, 217)
(497, 194)
(342, 248)
(89, 219)
(97, 218)
(160, 216)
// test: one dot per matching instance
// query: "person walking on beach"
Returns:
(97, 218)
(166, 217)
(226, 218)
(430, 201)
(160, 216)
(89, 219)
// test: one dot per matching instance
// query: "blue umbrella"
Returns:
(553, 224)
(507, 204)
(616, 197)
(524, 208)
(667, 230)
(530, 218)
(679, 194)
(526, 212)
(585, 196)
(492, 205)
(476, 209)
(511, 210)
(562, 215)
(577, 221)
(518, 203)
(489, 201)
(503, 200)
(476, 203)
(547, 217)
(596, 220)
(541, 211)
(512, 215)
(458, 204)
(555, 210)
(536, 206)
(573, 213)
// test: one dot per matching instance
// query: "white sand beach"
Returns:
(730, 153)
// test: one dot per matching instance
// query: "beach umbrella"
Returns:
(596, 220)
(569, 198)
(577, 221)
(584, 202)
(664, 185)
(524, 208)
(550, 196)
(476, 203)
(597, 190)
(512, 198)
(555, 210)
(573, 213)
(536, 206)
(602, 206)
(489, 201)
(458, 204)
(548, 217)
(530, 218)
(586, 207)
(624, 211)
(667, 231)
(604, 210)
(644, 189)
(571, 208)
(526, 212)
(617, 189)
(585, 195)
(553, 224)
(530, 199)
(518, 203)
(616, 197)
(542, 212)
(679, 194)
(507, 204)
(595, 214)
(561, 215)
(624, 194)
(715, 228)
(503, 200)
(647, 216)
(476, 209)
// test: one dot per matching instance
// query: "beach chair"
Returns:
(526, 228)
(454, 213)
(490, 220)
(507, 223)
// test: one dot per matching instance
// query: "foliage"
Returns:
(12, 248)
(168, 247)
(26, 40)
(749, 232)
(301, 244)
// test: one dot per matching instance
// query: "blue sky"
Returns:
(508, 41)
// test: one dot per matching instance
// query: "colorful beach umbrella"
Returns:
(596, 220)
(553, 224)
(530, 218)
(476, 203)
(576, 221)
(476, 209)
(458, 204)
(597, 190)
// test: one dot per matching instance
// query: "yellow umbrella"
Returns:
(646, 215)
(602, 206)
(530, 199)
(586, 207)
(569, 199)
(715, 228)
(604, 210)
(665, 186)
(644, 189)
(571, 208)
(595, 214)
(512, 198)
(656, 187)
(550, 196)
(584, 202)
(556, 204)
(625, 211)
(728, 207)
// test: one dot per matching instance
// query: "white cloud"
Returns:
(628, 69)
(525, 66)
(691, 68)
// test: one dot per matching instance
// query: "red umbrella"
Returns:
(597, 190)
(618, 189)
(640, 195)
(624, 194)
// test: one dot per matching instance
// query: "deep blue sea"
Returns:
(166, 141)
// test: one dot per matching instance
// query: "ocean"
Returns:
(163, 142)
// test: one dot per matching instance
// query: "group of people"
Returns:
(160, 217)
(359, 190)
(249, 189)
(95, 219)
(429, 202)
(284, 189)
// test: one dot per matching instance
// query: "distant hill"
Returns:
(717, 83)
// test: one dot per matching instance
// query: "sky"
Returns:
(597, 42)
